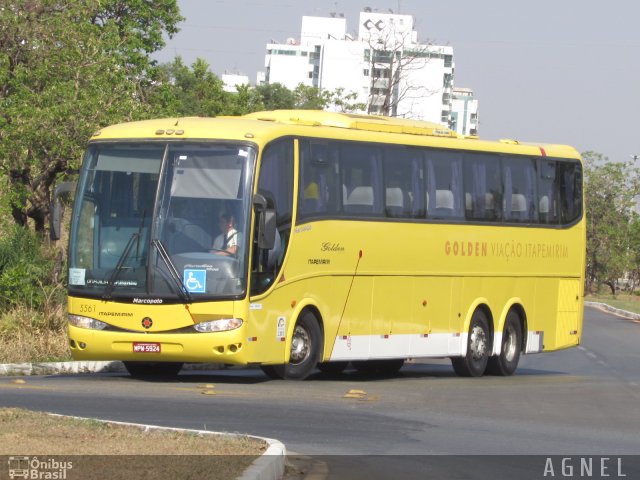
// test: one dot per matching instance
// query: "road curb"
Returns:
(269, 466)
(616, 311)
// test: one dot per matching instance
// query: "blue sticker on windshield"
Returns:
(195, 281)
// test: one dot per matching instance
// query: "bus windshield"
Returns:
(162, 221)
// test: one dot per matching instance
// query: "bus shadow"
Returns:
(254, 376)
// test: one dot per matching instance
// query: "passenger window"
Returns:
(519, 202)
(444, 185)
(570, 181)
(482, 187)
(361, 179)
(403, 183)
(318, 193)
(547, 192)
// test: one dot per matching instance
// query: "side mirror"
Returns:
(266, 228)
(57, 210)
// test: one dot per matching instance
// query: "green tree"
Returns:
(67, 68)
(610, 189)
(276, 96)
(188, 91)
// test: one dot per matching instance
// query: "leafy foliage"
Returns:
(67, 68)
(612, 223)
(27, 272)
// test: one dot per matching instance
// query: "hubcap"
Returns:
(300, 345)
(478, 344)
(510, 343)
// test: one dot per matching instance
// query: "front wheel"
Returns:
(474, 363)
(506, 363)
(306, 346)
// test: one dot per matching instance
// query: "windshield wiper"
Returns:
(125, 254)
(119, 266)
(173, 272)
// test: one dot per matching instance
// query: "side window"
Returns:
(275, 182)
(276, 177)
(570, 182)
(444, 185)
(547, 192)
(403, 183)
(319, 192)
(520, 199)
(360, 168)
(482, 187)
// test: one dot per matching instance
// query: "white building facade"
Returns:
(389, 70)
(464, 114)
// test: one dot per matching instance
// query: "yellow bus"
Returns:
(300, 239)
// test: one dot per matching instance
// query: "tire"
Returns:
(306, 345)
(153, 369)
(332, 368)
(506, 363)
(474, 363)
(379, 367)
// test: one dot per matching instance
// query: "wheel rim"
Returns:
(300, 345)
(510, 345)
(478, 343)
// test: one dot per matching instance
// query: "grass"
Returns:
(105, 450)
(28, 335)
(624, 301)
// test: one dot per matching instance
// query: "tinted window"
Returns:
(404, 195)
(444, 184)
(519, 201)
(482, 187)
(360, 167)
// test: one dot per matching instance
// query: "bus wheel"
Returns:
(506, 363)
(474, 363)
(332, 368)
(379, 367)
(153, 369)
(306, 345)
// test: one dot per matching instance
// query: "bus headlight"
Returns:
(222, 325)
(86, 322)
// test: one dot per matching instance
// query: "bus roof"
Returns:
(316, 123)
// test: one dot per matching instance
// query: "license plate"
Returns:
(146, 347)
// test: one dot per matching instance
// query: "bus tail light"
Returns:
(86, 322)
(222, 325)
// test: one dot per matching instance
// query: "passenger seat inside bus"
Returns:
(360, 200)
(395, 202)
(519, 207)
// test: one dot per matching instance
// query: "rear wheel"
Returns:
(506, 363)
(153, 369)
(474, 363)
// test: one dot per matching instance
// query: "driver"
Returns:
(227, 242)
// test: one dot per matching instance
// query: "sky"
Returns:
(551, 71)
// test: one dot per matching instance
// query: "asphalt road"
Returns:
(582, 403)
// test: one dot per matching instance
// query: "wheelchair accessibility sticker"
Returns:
(195, 281)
